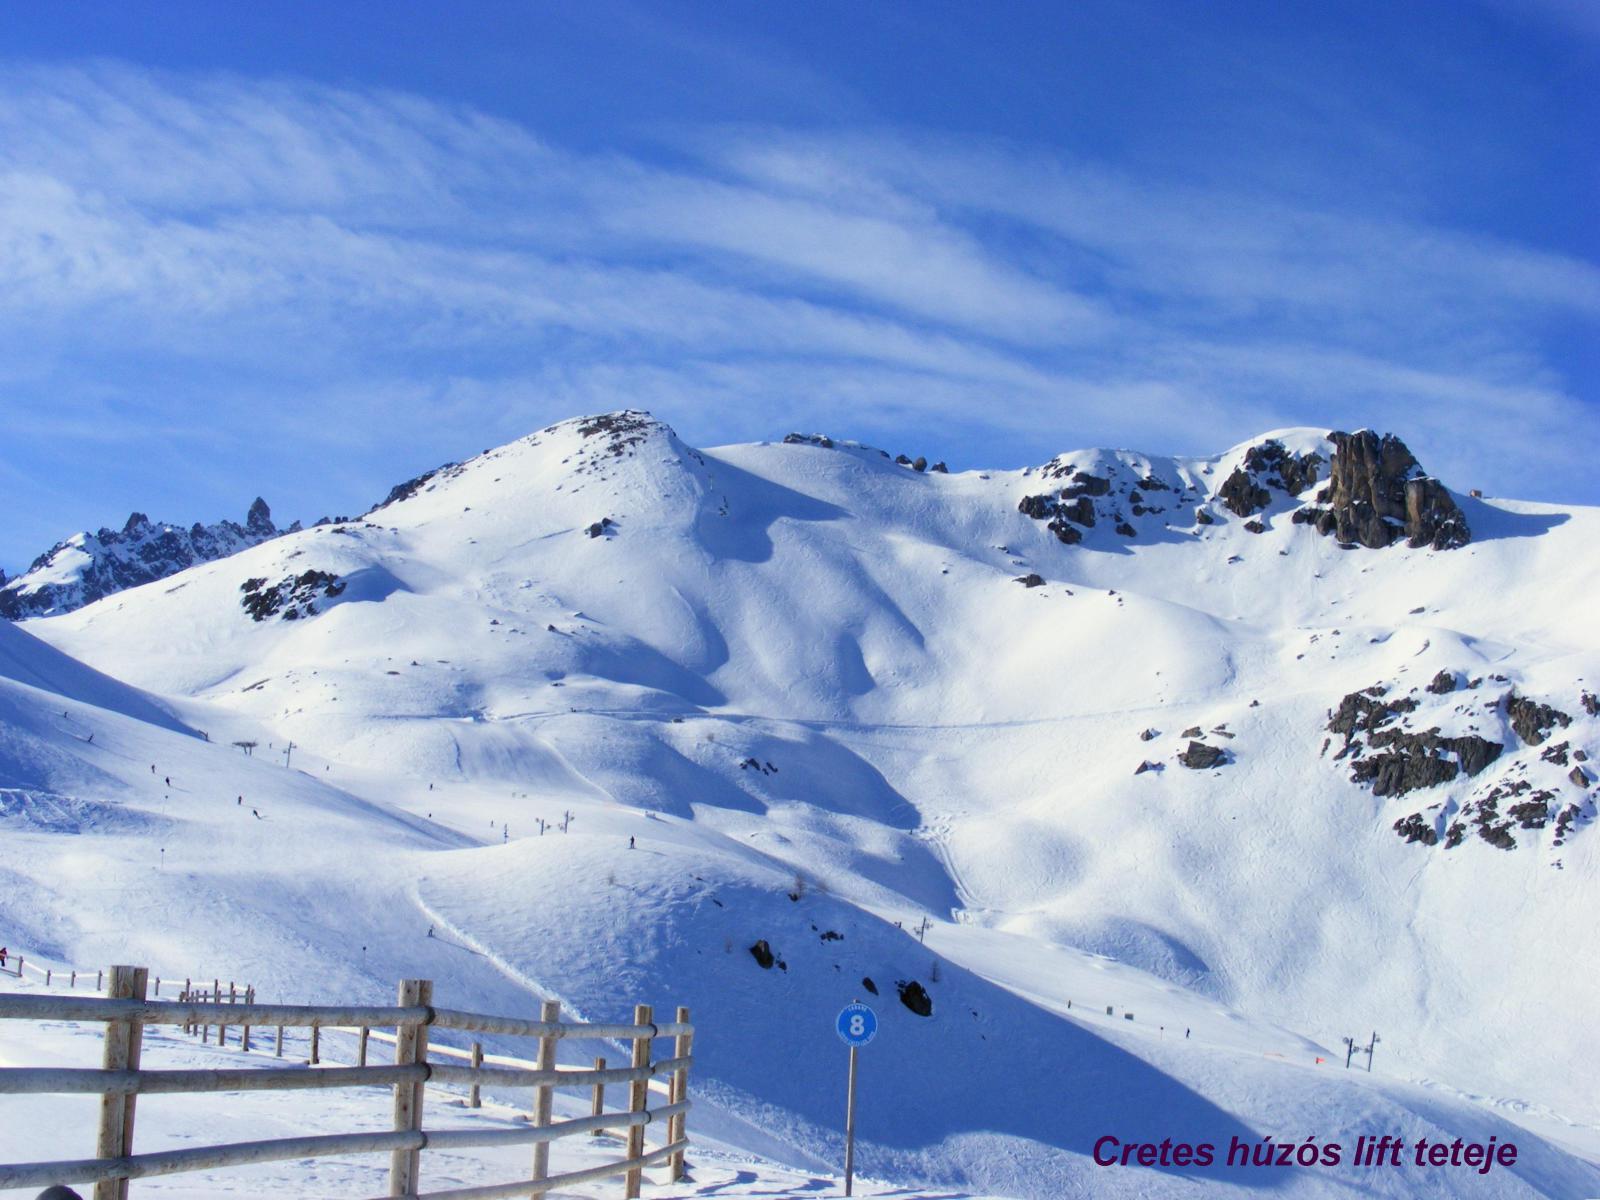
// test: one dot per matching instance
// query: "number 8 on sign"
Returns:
(857, 1024)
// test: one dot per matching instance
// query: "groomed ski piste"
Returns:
(803, 694)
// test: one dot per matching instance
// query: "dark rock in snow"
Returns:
(762, 953)
(866, 982)
(1580, 777)
(915, 997)
(1198, 756)
(1146, 765)
(1378, 493)
(1149, 735)
(1531, 720)
(1193, 731)
(1415, 829)
(90, 566)
(1030, 581)
(292, 597)
(1202, 517)
(1443, 682)
(1591, 704)
(939, 468)
(1255, 527)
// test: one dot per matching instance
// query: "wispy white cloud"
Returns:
(328, 263)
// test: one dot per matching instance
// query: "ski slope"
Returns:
(805, 683)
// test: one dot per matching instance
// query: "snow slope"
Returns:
(807, 683)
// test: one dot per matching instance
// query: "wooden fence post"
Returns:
(639, 1096)
(410, 1049)
(122, 1045)
(279, 1051)
(361, 1053)
(47, 971)
(473, 1100)
(249, 998)
(72, 981)
(543, 1095)
(158, 985)
(316, 1037)
(676, 1124)
(599, 1105)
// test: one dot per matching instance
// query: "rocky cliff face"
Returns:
(88, 566)
(1378, 493)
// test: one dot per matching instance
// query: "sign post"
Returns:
(857, 1025)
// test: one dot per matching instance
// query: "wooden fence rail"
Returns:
(125, 1011)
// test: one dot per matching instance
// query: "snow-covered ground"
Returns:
(795, 693)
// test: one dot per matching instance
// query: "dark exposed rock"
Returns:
(1531, 814)
(1030, 581)
(1202, 517)
(902, 460)
(1198, 756)
(1255, 527)
(599, 527)
(1267, 465)
(1193, 731)
(1454, 836)
(915, 997)
(1366, 711)
(762, 953)
(866, 982)
(1531, 720)
(1580, 777)
(919, 463)
(1591, 704)
(1415, 829)
(939, 468)
(408, 489)
(1085, 484)
(1242, 495)
(90, 566)
(620, 430)
(1378, 493)
(1146, 765)
(1125, 529)
(1443, 682)
(1404, 760)
(293, 596)
(1149, 735)
(1556, 754)
(808, 439)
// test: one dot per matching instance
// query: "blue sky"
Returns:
(308, 250)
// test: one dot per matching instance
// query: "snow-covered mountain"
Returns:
(90, 566)
(1185, 769)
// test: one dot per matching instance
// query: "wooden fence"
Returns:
(125, 1010)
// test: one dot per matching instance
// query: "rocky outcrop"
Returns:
(1395, 760)
(292, 597)
(915, 997)
(1533, 721)
(90, 566)
(763, 955)
(1198, 756)
(1267, 465)
(1378, 493)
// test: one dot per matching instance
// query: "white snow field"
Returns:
(804, 684)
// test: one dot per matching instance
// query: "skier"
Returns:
(169, 780)
(630, 842)
(240, 801)
(255, 814)
(3, 953)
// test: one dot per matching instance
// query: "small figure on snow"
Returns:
(3, 953)
(630, 842)
(430, 930)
